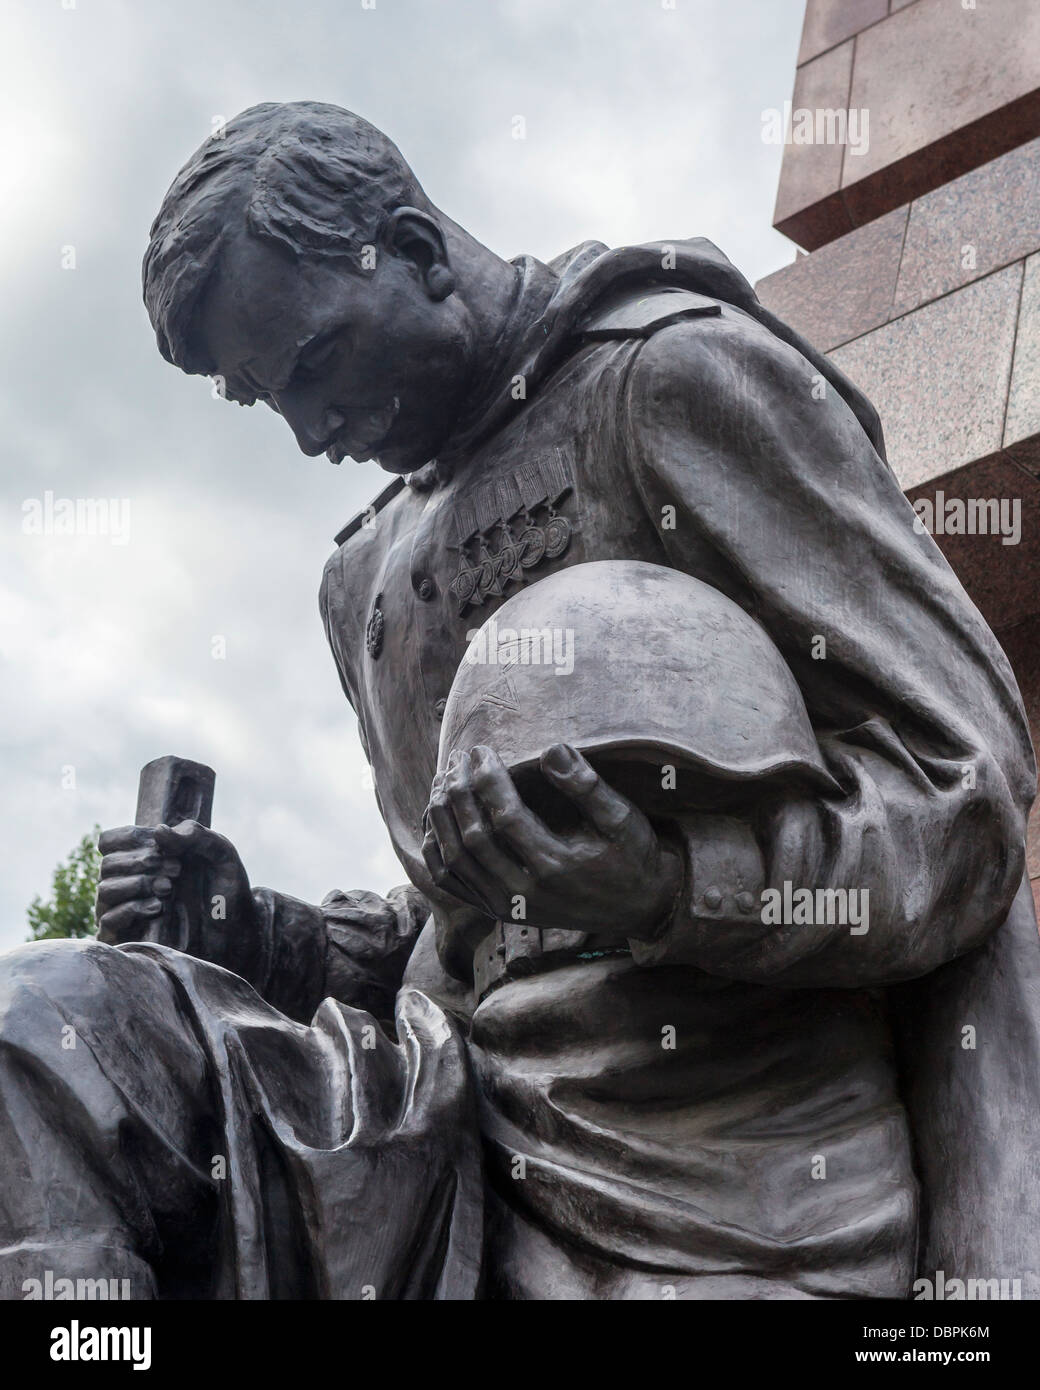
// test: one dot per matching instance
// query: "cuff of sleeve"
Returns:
(719, 910)
(294, 953)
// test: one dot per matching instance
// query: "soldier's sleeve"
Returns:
(353, 947)
(761, 481)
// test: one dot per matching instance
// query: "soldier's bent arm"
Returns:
(353, 947)
(763, 482)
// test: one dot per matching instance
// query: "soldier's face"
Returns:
(369, 366)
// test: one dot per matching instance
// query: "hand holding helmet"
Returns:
(611, 875)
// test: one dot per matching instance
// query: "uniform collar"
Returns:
(553, 301)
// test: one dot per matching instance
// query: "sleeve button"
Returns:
(712, 898)
(745, 902)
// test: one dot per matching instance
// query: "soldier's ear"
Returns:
(416, 237)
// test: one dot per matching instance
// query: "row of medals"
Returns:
(476, 583)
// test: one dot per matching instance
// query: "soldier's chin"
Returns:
(394, 465)
(396, 457)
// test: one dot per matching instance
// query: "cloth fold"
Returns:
(201, 1142)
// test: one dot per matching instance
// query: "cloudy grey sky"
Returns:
(643, 123)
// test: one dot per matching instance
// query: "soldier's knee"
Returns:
(55, 985)
(50, 967)
(80, 1010)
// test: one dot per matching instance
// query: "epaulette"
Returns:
(376, 505)
(639, 317)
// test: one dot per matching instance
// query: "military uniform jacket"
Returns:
(643, 405)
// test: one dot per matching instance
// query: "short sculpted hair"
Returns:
(311, 177)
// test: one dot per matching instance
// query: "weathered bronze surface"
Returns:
(777, 1039)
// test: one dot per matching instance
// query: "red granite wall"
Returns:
(948, 84)
(924, 286)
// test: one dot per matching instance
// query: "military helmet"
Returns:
(667, 686)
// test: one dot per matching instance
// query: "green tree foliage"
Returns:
(70, 911)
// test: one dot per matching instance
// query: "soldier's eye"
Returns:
(316, 357)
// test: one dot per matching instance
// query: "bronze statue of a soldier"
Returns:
(591, 1050)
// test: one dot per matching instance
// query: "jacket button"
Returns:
(439, 708)
(425, 589)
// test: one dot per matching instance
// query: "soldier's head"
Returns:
(297, 260)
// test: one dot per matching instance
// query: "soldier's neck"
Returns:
(487, 285)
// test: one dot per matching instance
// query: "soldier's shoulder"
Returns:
(356, 551)
(366, 516)
(644, 312)
(697, 351)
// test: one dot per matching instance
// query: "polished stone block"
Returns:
(945, 88)
(1022, 646)
(829, 22)
(871, 275)
(983, 220)
(845, 288)
(809, 206)
(1000, 572)
(976, 96)
(935, 68)
(939, 376)
(1023, 409)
